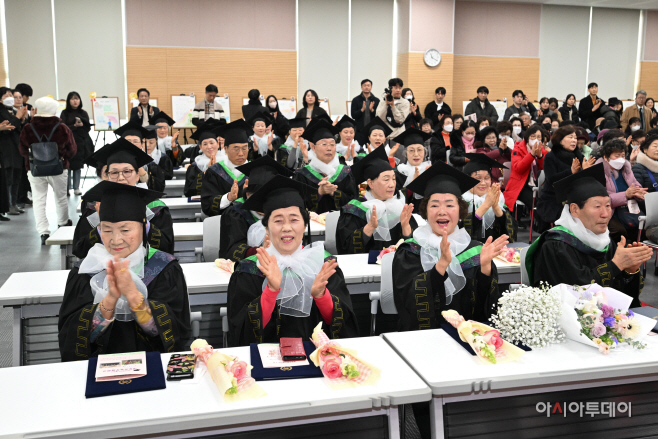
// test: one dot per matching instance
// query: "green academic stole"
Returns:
(156, 206)
(469, 258)
(355, 207)
(558, 233)
(249, 217)
(314, 176)
(223, 171)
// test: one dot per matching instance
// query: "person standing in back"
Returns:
(142, 113)
(45, 124)
(363, 109)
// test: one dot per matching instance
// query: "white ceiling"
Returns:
(622, 4)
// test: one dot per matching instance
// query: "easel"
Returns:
(104, 131)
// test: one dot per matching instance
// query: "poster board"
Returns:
(106, 113)
(182, 108)
(288, 107)
(153, 102)
(225, 102)
(324, 104)
(61, 105)
(500, 107)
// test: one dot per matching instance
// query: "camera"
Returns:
(389, 95)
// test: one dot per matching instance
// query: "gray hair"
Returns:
(641, 92)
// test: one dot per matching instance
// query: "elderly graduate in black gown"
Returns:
(223, 183)
(160, 168)
(121, 160)
(262, 141)
(578, 250)
(125, 296)
(441, 267)
(209, 125)
(487, 213)
(380, 218)
(210, 153)
(286, 289)
(414, 149)
(335, 186)
(168, 144)
(242, 230)
(293, 153)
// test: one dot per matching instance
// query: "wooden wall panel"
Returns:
(423, 80)
(171, 71)
(402, 68)
(3, 72)
(501, 75)
(649, 78)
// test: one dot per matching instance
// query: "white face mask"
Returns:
(409, 98)
(501, 136)
(447, 128)
(533, 142)
(618, 163)
(9, 102)
(517, 130)
(272, 105)
(635, 128)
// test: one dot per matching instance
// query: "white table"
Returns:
(54, 393)
(179, 207)
(174, 188)
(39, 294)
(183, 232)
(180, 172)
(454, 375)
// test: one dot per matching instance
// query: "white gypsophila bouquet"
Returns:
(530, 316)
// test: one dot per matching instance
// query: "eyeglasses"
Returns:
(114, 175)
(485, 178)
(244, 149)
(163, 127)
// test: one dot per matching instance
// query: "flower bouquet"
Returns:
(485, 341)
(318, 218)
(599, 317)
(225, 264)
(231, 376)
(340, 365)
(530, 316)
(510, 255)
(387, 250)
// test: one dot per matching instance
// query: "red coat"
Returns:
(521, 166)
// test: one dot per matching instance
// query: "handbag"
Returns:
(44, 156)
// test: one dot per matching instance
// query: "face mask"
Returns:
(635, 128)
(618, 163)
(272, 105)
(502, 137)
(8, 102)
(448, 128)
(635, 146)
(517, 130)
(533, 142)
(409, 98)
(547, 126)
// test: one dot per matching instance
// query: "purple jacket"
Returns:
(618, 198)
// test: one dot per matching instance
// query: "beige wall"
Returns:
(403, 25)
(431, 25)
(651, 36)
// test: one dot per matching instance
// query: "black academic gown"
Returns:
(217, 181)
(156, 176)
(167, 298)
(345, 193)
(410, 198)
(350, 238)
(235, 224)
(503, 225)
(193, 181)
(177, 161)
(160, 235)
(558, 257)
(192, 152)
(420, 295)
(254, 154)
(167, 166)
(245, 313)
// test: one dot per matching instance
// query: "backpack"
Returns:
(44, 156)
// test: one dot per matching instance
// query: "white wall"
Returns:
(30, 55)
(90, 49)
(613, 51)
(371, 55)
(323, 47)
(563, 37)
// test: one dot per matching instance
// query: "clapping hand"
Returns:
(575, 165)
(270, 268)
(369, 228)
(490, 250)
(322, 279)
(445, 259)
(393, 150)
(630, 257)
(233, 195)
(326, 188)
(405, 218)
(269, 141)
(6, 126)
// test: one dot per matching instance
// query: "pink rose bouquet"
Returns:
(387, 250)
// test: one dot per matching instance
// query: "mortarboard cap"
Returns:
(161, 117)
(412, 136)
(120, 151)
(279, 193)
(582, 185)
(442, 179)
(480, 162)
(206, 130)
(377, 124)
(262, 170)
(131, 129)
(234, 132)
(319, 129)
(370, 166)
(121, 202)
(345, 122)
(262, 116)
(297, 122)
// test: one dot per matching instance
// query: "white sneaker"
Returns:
(77, 192)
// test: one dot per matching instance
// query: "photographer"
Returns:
(392, 109)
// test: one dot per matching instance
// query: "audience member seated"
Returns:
(480, 105)
(414, 141)
(495, 148)
(168, 144)
(436, 110)
(638, 110)
(255, 315)
(160, 169)
(517, 108)
(263, 142)
(347, 147)
(210, 153)
(414, 116)
(580, 250)
(280, 125)
(442, 141)
(461, 142)
(332, 180)
(293, 154)
(380, 218)
(568, 110)
(646, 168)
(114, 306)
(623, 189)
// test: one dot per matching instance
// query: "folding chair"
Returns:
(650, 219)
(330, 224)
(525, 280)
(211, 231)
(385, 294)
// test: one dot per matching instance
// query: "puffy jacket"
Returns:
(43, 126)
(643, 168)
(617, 199)
(521, 167)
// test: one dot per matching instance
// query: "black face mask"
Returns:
(547, 126)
